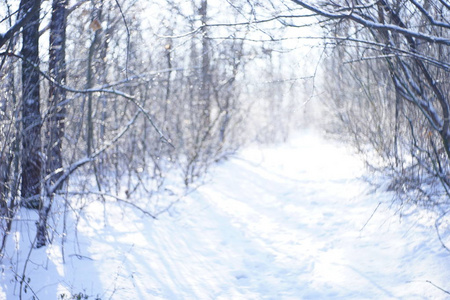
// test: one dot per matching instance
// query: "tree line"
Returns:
(111, 98)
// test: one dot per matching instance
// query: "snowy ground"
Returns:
(286, 222)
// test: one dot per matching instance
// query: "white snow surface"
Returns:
(293, 221)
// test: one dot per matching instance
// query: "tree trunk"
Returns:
(55, 125)
(57, 95)
(31, 118)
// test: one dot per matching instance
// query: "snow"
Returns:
(292, 221)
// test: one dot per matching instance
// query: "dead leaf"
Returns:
(95, 25)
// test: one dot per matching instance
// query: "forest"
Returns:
(114, 101)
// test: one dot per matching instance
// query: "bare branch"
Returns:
(100, 90)
(275, 18)
(19, 23)
(73, 167)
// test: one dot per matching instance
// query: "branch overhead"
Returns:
(358, 16)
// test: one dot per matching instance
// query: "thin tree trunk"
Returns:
(205, 100)
(95, 26)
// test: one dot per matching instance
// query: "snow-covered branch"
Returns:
(374, 25)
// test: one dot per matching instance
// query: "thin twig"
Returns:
(436, 225)
(438, 287)
(371, 216)
(118, 199)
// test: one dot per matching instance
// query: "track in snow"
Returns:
(285, 222)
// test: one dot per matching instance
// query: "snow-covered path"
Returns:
(300, 214)
(291, 222)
